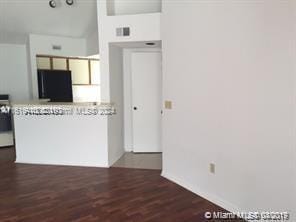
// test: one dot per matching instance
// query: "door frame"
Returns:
(128, 112)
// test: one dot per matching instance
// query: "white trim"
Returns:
(63, 164)
(127, 53)
(210, 197)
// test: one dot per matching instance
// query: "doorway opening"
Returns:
(141, 105)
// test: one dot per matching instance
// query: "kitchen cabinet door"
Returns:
(80, 71)
(43, 63)
(95, 72)
(59, 63)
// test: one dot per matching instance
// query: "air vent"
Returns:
(123, 31)
(57, 47)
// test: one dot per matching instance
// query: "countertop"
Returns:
(62, 108)
(42, 103)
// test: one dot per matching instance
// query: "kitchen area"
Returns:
(52, 59)
(66, 124)
(62, 80)
(53, 73)
(82, 84)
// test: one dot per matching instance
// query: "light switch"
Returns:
(168, 104)
(212, 168)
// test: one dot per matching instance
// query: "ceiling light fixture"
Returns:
(70, 2)
(52, 3)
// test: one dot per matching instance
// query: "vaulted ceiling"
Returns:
(18, 18)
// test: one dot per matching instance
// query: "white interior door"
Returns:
(146, 100)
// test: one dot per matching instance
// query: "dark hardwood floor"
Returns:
(60, 194)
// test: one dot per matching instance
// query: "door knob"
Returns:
(135, 108)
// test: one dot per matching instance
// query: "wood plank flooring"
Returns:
(33, 193)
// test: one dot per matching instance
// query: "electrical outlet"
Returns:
(212, 168)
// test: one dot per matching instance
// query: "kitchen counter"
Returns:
(62, 108)
(62, 133)
(45, 103)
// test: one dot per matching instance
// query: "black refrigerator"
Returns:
(55, 85)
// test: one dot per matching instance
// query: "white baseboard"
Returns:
(128, 150)
(212, 198)
(61, 164)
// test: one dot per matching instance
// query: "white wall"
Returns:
(86, 93)
(92, 43)
(144, 27)
(127, 83)
(40, 44)
(126, 7)
(230, 77)
(12, 38)
(115, 122)
(14, 78)
(28, 53)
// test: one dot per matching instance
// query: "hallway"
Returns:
(151, 161)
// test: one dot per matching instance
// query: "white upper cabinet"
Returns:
(85, 71)
(43, 63)
(59, 63)
(95, 72)
(80, 71)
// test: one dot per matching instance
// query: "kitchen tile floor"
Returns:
(7, 154)
(140, 161)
